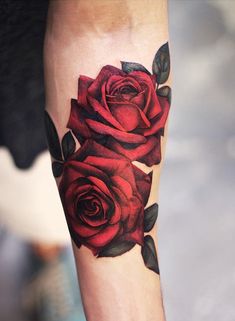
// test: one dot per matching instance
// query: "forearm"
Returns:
(83, 37)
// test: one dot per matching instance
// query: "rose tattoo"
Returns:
(117, 118)
(130, 116)
(104, 197)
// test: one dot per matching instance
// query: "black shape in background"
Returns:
(22, 28)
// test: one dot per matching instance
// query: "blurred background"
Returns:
(197, 200)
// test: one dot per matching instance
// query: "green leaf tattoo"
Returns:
(52, 138)
(165, 91)
(68, 145)
(133, 66)
(150, 217)
(149, 254)
(161, 64)
(116, 248)
(57, 169)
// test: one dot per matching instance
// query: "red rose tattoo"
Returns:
(130, 116)
(103, 196)
(119, 117)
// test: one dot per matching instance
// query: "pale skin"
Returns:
(83, 36)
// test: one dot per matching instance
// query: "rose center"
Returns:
(127, 92)
(89, 206)
(92, 210)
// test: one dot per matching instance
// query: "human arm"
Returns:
(114, 153)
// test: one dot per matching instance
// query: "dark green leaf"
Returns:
(150, 217)
(68, 145)
(133, 66)
(57, 169)
(116, 248)
(161, 64)
(52, 138)
(149, 254)
(165, 91)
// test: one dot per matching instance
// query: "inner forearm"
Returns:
(109, 167)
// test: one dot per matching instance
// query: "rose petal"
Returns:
(79, 189)
(143, 183)
(103, 99)
(148, 83)
(107, 130)
(137, 235)
(68, 200)
(83, 84)
(154, 156)
(139, 100)
(82, 229)
(75, 169)
(107, 205)
(77, 122)
(121, 199)
(101, 185)
(104, 236)
(143, 78)
(104, 113)
(159, 122)
(135, 207)
(116, 215)
(112, 167)
(131, 206)
(152, 106)
(105, 73)
(115, 82)
(92, 148)
(165, 105)
(123, 185)
(129, 116)
(94, 223)
(137, 151)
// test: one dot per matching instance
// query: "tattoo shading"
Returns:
(117, 118)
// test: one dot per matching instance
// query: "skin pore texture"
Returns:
(85, 43)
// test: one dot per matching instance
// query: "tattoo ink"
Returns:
(118, 118)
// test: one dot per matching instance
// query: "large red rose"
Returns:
(122, 111)
(103, 196)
